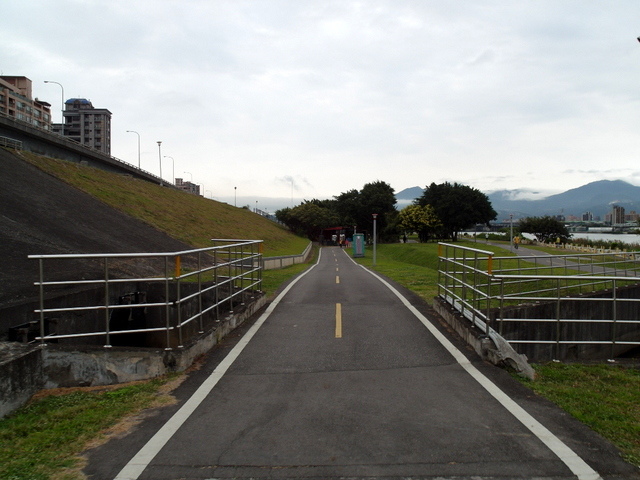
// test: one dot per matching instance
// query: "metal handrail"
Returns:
(233, 264)
(467, 281)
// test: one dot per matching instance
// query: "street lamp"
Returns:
(511, 232)
(235, 196)
(375, 216)
(133, 131)
(61, 107)
(173, 163)
(190, 176)
(160, 160)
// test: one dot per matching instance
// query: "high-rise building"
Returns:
(617, 215)
(87, 125)
(16, 101)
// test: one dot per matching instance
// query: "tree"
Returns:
(356, 208)
(307, 219)
(545, 229)
(347, 209)
(457, 206)
(378, 197)
(347, 206)
(420, 219)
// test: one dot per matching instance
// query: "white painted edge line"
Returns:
(576, 464)
(147, 453)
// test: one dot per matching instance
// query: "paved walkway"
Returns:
(348, 376)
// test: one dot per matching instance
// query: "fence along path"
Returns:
(342, 376)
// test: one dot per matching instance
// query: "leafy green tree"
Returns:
(545, 229)
(347, 206)
(378, 197)
(421, 219)
(457, 206)
(307, 219)
(347, 209)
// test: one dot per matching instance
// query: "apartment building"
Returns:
(187, 186)
(87, 125)
(16, 101)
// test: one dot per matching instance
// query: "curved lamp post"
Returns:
(61, 106)
(160, 160)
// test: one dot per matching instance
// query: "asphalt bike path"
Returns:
(343, 377)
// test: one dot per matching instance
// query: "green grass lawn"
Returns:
(605, 397)
(193, 219)
(42, 440)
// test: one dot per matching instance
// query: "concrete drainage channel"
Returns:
(28, 368)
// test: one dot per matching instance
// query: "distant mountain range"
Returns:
(596, 197)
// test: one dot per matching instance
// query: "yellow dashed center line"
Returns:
(337, 279)
(338, 320)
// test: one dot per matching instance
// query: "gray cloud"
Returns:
(327, 96)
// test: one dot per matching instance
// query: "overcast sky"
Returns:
(308, 99)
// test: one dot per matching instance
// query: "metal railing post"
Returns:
(167, 312)
(231, 277)
(614, 326)
(558, 325)
(41, 289)
(200, 314)
(106, 302)
(501, 305)
(178, 301)
(242, 274)
(216, 292)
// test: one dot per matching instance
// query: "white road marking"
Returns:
(576, 464)
(146, 454)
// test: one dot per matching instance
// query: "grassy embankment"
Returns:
(193, 219)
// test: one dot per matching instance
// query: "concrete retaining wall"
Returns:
(570, 308)
(22, 375)
(28, 369)
(272, 263)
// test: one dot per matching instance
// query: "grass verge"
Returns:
(605, 397)
(41, 440)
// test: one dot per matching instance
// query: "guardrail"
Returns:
(10, 143)
(558, 300)
(194, 285)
